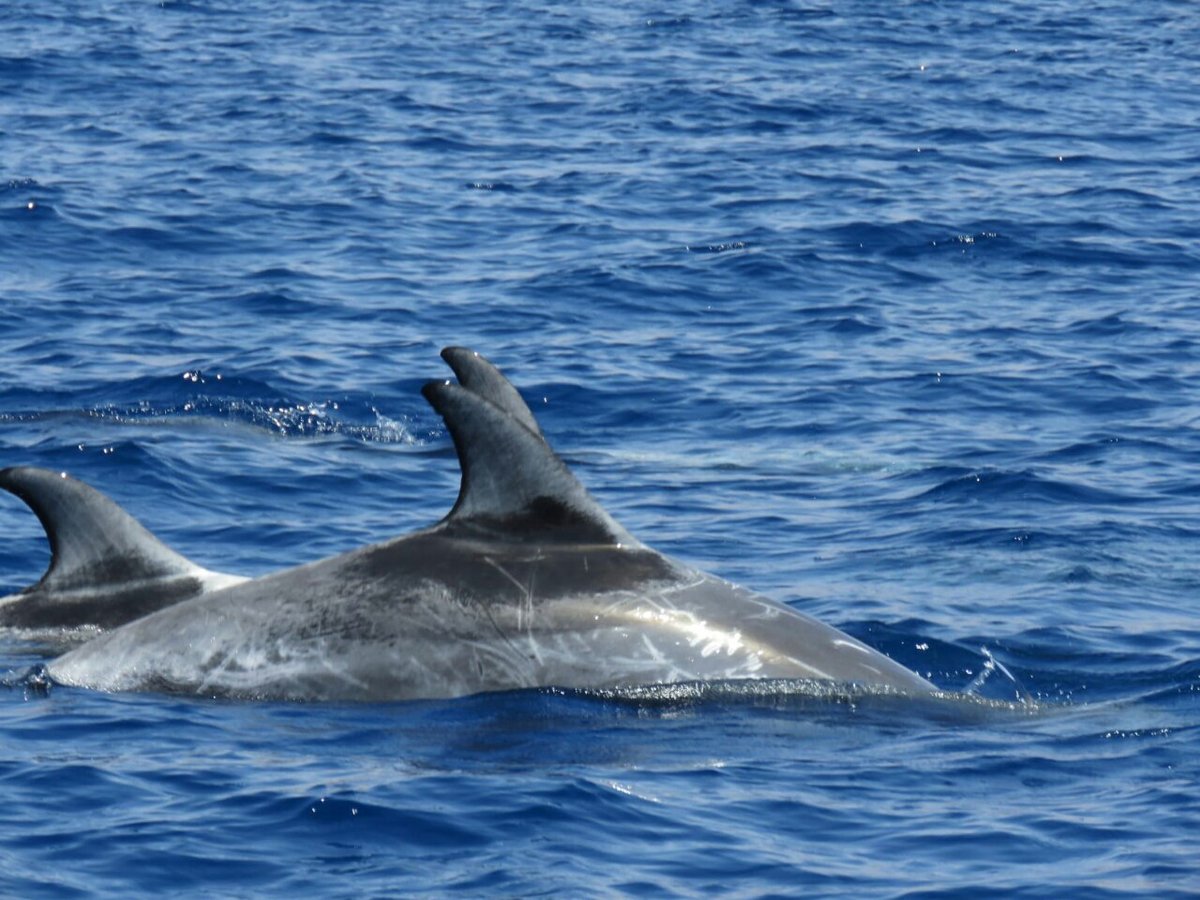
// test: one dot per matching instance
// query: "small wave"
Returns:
(199, 398)
(286, 419)
(854, 325)
(913, 239)
(1083, 451)
(722, 247)
(989, 485)
(1103, 326)
(273, 303)
(500, 187)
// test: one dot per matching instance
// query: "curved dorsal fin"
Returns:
(512, 482)
(479, 376)
(93, 542)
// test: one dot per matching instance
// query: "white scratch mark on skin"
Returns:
(816, 673)
(654, 654)
(534, 650)
(853, 645)
(524, 610)
(515, 670)
(503, 571)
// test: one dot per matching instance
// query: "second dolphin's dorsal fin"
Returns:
(479, 376)
(513, 483)
(93, 542)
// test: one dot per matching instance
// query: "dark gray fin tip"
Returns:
(93, 541)
(481, 377)
(513, 483)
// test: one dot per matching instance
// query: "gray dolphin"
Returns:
(527, 582)
(105, 568)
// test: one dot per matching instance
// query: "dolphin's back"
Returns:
(440, 615)
(526, 582)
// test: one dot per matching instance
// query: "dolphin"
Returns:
(105, 568)
(527, 582)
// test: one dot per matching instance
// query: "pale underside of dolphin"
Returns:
(527, 582)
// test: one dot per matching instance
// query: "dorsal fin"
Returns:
(513, 483)
(93, 542)
(479, 376)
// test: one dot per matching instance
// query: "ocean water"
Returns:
(890, 311)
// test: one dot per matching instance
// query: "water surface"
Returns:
(888, 311)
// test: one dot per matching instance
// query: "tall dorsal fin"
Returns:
(93, 542)
(512, 482)
(479, 376)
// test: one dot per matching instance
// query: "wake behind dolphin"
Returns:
(527, 582)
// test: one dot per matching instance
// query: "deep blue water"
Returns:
(888, 310)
